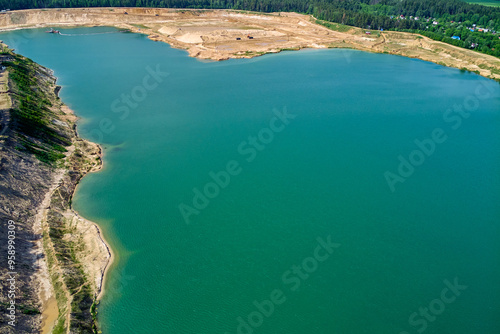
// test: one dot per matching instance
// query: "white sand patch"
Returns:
(168, 30)
(252, 17)
(190, 38)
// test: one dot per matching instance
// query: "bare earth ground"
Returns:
(212, 34)
(5, 102)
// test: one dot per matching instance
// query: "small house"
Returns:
(456, 37)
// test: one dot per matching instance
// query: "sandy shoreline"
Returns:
(105, 243)
(95, 254)
(225, 34)
(96, 269)
(109, 262)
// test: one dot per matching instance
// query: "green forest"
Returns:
(451, 21)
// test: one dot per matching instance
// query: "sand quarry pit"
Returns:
(224, 34)
(221, 35)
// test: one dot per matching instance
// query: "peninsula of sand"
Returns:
(224, 34)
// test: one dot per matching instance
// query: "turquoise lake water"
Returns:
(305, 147)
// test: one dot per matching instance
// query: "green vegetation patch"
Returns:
(334, 26)
(31, 116)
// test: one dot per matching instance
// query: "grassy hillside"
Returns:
(32, 118)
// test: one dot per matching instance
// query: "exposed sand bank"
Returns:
(224, 34)
(93, 251)
(94, 239)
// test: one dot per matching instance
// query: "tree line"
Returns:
(437, 19)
